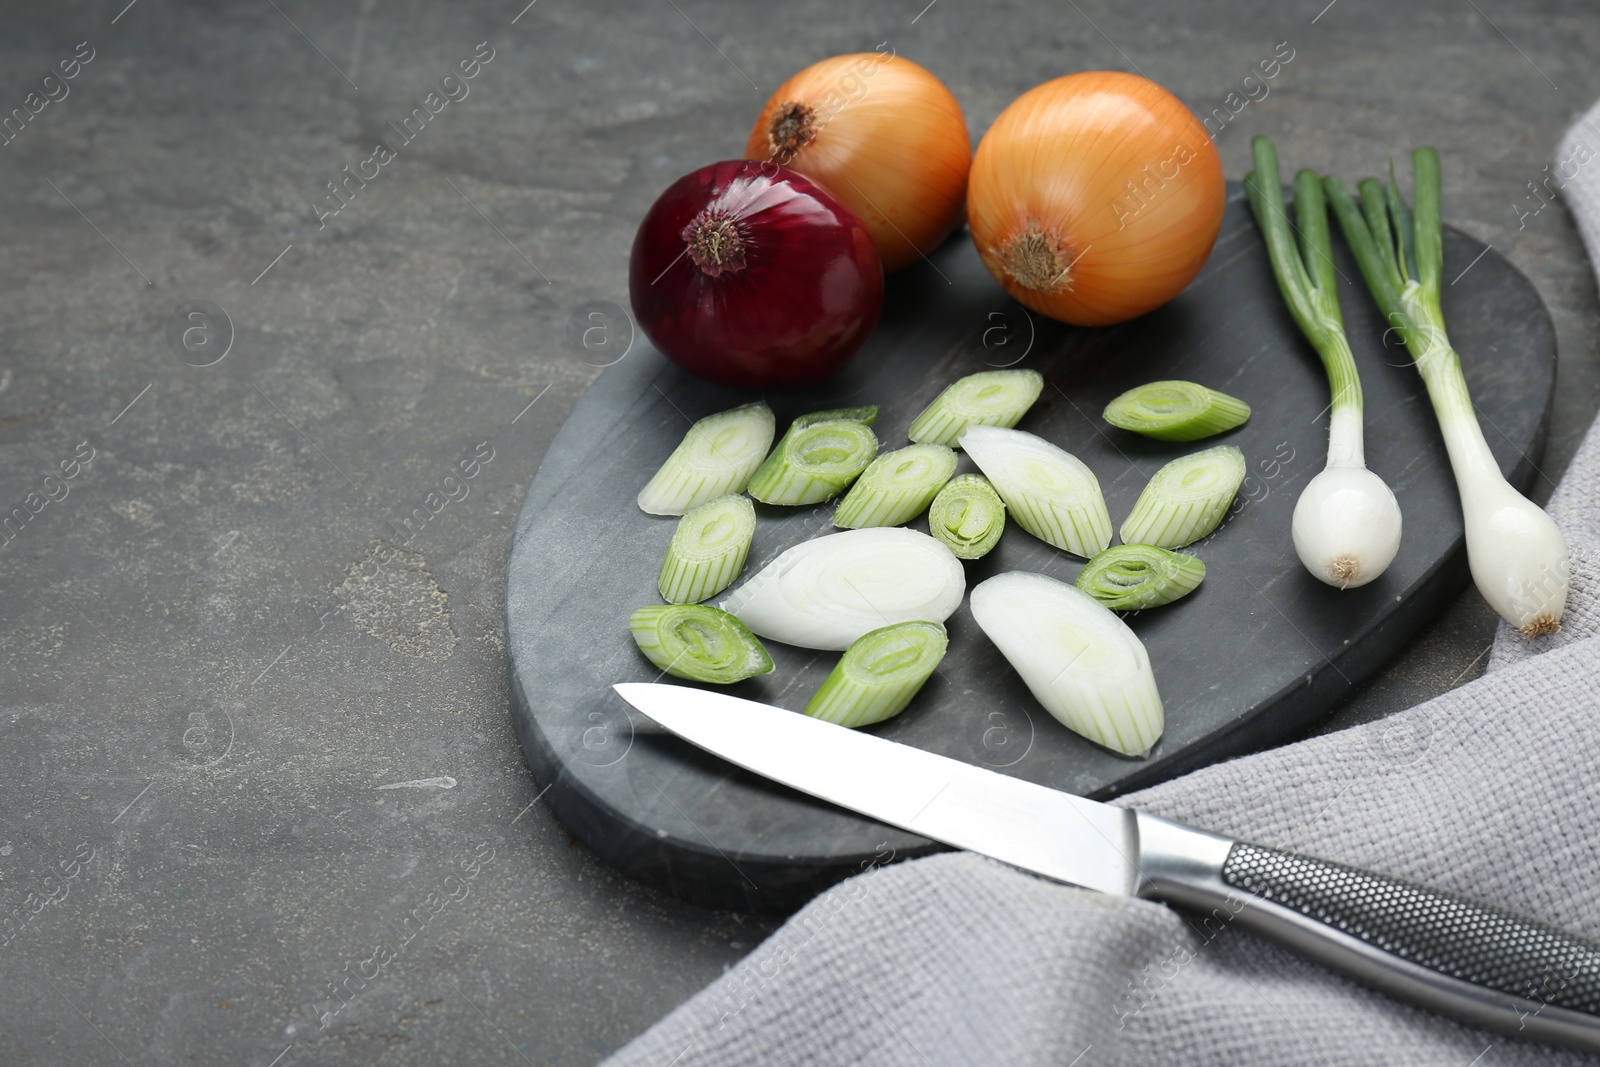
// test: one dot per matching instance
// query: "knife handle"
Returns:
(1479, 964)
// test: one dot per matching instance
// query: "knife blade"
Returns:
(1475, 962)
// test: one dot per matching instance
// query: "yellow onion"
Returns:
(1095, 198)
(881, 134)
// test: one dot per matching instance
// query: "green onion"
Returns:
(707, 550)
(828, 591)
(1515, 551)
(816, 459)
(1135, 577)
(879, 674)
(1049, 492)
(866, 415)
(989, 398)
(1186, 499)
(698, 643)
(1176, 411)
(897, 487)
(968, 516)
(715, 458)
(1078, 659)
(1346, 525)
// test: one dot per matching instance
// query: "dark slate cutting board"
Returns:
(1255, 656)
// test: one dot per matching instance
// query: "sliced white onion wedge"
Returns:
(1048, 491)
(827, 592)
(1080, 661)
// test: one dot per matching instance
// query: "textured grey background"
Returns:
(201, 687)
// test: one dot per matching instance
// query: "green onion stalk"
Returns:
(1516, 552)
(1346, 525)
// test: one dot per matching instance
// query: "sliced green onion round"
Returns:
(897, 487)
(814, 462)
(989, 398)
(1186, 499)
(1134, 577)
(698, 643)
(1176, 411)
(1049, 492)
(716, 457)
(866, 415)
(879, 674)
(1078, 659)
(707, 550)
(968, 516)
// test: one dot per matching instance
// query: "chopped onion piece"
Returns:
(814, 461)
(716, 457)
(698, 643)
(968, 516)
(1176, 411)
(897, 487)
(1079, 660)
(707, 550)
(879, 674)
(866, 415)
(1049, 492)
(1186, 499)
(1134, 577)
(826, 592)
(989, 398)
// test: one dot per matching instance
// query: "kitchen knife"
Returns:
(1477, 963)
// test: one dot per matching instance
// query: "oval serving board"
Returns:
(1254, 657)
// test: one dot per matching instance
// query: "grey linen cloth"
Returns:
(1489, 791)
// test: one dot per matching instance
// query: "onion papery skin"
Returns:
(1095, 198)
(751, 275)
(884, 136)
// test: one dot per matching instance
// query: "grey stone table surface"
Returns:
(262, 802)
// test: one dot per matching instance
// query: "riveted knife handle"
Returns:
(1479, 964)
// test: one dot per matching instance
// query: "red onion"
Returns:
(750, 275)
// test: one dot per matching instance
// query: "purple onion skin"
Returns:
(750, 275)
